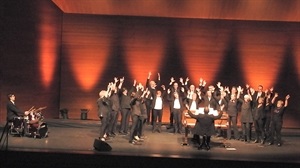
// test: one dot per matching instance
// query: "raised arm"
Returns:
(121, 83)
(273, 99)
(286, 100)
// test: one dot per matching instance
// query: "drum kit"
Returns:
(31, 125)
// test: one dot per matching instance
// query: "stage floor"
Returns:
(76, 137)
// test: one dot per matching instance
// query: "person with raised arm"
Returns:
(246, 114)
(125, 98)
(206, 127)
(104, 109)
(152, 88)
(277, 119)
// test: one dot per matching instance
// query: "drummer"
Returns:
(12, 110)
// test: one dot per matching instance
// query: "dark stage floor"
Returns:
(70, 144)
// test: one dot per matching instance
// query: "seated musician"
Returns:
(15, 115)
(206, 127)
(12, 110)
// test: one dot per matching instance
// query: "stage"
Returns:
(70, 144)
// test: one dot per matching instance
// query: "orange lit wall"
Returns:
(30, 55)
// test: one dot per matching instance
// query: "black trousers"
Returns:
(125, 115)
(177, 114)
(246, 127)
(113, 121)
(259, 129)
(232, 123)
(157, 118)
(104, 125)
(275, 130)
(136, 126)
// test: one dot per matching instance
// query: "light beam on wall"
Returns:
(87, 46)
(202, 48)
(144, 48)
(261, 56)
(48, 46)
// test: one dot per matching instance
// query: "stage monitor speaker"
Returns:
(101, 145)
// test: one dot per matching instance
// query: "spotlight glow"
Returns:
(144, 49)
(48, 47)
(87, 47)
(261, 56)
(202, 49)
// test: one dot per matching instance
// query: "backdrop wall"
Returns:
(63, 60)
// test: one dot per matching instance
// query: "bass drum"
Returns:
(43, 130)
(39, 131)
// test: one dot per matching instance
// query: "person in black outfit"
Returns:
(259, 120)
(268, 106)
(177, 106)
(246, 114)
(12, 110)
(152, 88)
(136, 114)
(232, 111)
(157, 109)
(115, 106)
(277, 119)
(173, 87)
(206, 127)
(104, 109)
(125, 98)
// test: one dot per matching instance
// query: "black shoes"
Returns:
(278, 144)
(170, 126)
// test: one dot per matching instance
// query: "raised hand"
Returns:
(200, 80)
(149, 74)
(226, 88)
(187, 79)
(181, 80)
(116, 79)
(169, 91)
(219, 84)
(239, 89)
(172, 80)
